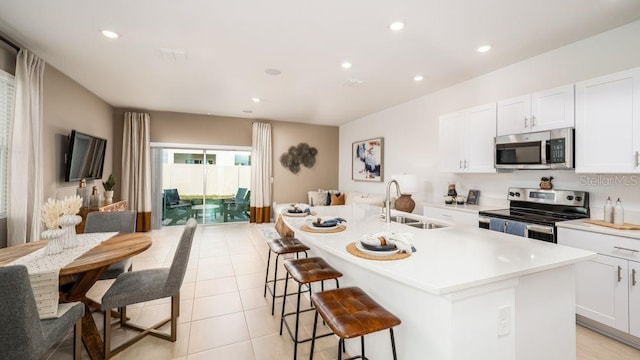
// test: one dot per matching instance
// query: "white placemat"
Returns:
(44, 272)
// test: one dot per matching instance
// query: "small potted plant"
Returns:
(108, 189)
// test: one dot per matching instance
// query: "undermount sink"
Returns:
(426, 225)
(420, 224)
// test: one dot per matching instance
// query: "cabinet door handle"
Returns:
(619, 273)
(633, 277)
(526, 122)
(637, 161)
(533, 121)
(465, 164)
(627, 249)
(460, 165)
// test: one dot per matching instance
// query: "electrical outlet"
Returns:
(504, 320)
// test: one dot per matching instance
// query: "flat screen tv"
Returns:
(85, 157)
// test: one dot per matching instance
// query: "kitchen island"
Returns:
(466, 293)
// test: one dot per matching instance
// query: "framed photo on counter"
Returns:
(472, 198)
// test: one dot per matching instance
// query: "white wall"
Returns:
(410, 130)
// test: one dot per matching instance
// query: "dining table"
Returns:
(78, 276)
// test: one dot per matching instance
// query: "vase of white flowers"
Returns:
(70, 207)
(50, 213)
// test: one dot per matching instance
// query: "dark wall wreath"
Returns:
(301, 154)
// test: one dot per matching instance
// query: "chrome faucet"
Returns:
(387, 204)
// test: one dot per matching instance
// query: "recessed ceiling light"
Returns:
(273, 72)
(483, 48)
(110, 34)
(247, 111)
(256, 99)
(346, 65)
(396, 25)
(418, 78)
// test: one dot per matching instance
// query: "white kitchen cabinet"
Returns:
(467, 140)
(634, 298)
(542, 110)
(607, 287)
(514, 115)
(451, 147)
(608, 123)
(600, 294)
(458, 216)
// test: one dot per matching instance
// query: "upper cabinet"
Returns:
(467, 140)
(608, 123)
(542, 110)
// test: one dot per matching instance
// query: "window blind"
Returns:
(6, 114)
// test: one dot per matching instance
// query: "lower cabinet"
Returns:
(634, 298)
(607, 287)
(602, 291)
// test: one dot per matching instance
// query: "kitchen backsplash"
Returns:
(493, 187)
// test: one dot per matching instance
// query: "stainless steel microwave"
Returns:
(552, 149)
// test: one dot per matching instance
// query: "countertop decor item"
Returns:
(94, 199)
(70, 207)
(55, 239)
(608, 211)
(50, 215)
(367, 160)
(625, 226)
(618, 213)
(451, 190)
(545, 183)
(408, 184)
(473, 197)
(108, 189)
(83, 191)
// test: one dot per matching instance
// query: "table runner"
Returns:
(44, 271)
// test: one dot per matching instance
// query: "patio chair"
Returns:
(22, 334)
(238, 206)
(173, 207)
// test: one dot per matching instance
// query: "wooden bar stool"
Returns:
(350, 313)
(281, 246)
(305, 272)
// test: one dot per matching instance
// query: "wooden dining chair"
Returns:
(22, 334)
(123, 222)
(146, 285)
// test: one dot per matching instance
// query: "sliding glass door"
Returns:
(211, 185)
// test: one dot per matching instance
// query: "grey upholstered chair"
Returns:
(145, 285)
(120, 221)
(22, 334)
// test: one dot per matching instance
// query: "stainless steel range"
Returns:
(533, 213)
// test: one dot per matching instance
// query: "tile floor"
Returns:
(224, 314)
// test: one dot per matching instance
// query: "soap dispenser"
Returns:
(608, 211)
(618, 213)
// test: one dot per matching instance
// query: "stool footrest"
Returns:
(291, 333)
(281, 295)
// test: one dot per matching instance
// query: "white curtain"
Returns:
(25, 153)
(261, 173)
(136, 167)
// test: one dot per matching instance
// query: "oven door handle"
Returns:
(538, 228)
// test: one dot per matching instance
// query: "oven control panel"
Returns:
(553, 197)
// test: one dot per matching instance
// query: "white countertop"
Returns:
(447, 259)
(581, 225)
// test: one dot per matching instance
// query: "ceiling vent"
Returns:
(353, 82)
(174, 54)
